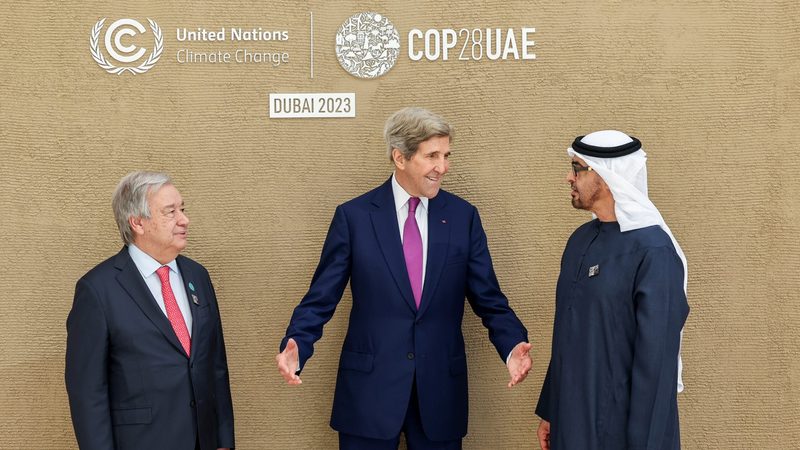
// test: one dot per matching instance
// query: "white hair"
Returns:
(130, 198)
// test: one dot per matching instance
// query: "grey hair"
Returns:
(411, 126)
(130, 198)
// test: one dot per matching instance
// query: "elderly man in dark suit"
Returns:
(145, 363)
(412, 254)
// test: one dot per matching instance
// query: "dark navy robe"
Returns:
(620, 308)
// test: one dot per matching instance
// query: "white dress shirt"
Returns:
(401, 206)
(147, 268)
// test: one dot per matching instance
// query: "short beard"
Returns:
(577, 203)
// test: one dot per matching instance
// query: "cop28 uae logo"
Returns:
(367, 45)
(127, 54)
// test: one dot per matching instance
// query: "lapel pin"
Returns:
(444, 221)
(594, 270)
(191, 286)
(195, 300)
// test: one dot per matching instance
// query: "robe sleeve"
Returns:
(661, 309)
(543, 407)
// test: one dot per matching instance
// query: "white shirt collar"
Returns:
(146, 264)
(401, 196)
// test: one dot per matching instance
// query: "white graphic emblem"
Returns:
(125, 54)
(367, 45)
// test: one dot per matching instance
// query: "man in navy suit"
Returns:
(412, 253)
(145, 364)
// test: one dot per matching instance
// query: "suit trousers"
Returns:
(412, 429)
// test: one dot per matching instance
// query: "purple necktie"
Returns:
(412, 250)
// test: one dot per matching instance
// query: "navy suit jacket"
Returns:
(389, 343)
(130, 383)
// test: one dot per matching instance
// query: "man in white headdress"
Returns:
(620, 308)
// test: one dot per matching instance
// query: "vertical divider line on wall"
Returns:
(311, 30)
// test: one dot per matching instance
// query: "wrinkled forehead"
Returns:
(165, 195)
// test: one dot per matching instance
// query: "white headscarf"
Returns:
(626, 177)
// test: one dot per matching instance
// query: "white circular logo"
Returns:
(121, 52)
(367, 45)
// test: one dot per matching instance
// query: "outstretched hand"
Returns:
(519, 363)
(288, 362)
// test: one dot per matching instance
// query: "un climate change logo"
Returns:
(367, 45)
(126, 54)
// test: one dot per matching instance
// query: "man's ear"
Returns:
(137, 225)
(398, 159)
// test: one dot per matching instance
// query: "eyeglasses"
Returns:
(577, 168)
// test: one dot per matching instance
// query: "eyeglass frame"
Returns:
(577, 168)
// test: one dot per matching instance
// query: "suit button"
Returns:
(191, 403)
(410, 355)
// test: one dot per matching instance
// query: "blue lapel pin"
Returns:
(194, 297)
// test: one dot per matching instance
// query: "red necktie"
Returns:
(173, 312)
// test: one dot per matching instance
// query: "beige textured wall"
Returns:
(710, 87)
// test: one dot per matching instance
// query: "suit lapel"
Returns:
(384, 222)
(133, 283)
(438, 240)
(192, 293)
